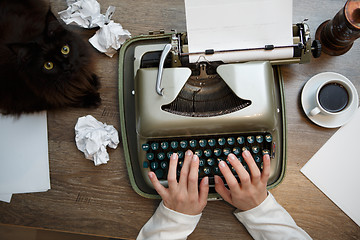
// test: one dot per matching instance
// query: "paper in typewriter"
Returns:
(234, 24)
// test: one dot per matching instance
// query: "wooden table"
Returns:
(100, 201)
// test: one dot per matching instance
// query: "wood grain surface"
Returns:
(100, 201)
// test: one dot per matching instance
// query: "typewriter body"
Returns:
(168, 105)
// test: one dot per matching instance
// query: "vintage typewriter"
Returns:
(169, 105)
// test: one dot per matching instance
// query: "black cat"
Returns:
(42, 64)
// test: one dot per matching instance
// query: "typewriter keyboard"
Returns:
(210, 150)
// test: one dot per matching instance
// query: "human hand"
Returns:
(183, 196)
(251, 191)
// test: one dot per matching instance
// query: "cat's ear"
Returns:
(52, 25)
(22, 50)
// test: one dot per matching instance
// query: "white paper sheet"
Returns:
(334, 169)
(234, 24)
(23, 154)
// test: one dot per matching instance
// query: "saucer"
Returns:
(308, 102)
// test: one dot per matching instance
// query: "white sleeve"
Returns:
(168, 224)
(269, 220)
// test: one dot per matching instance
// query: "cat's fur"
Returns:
(30, 38)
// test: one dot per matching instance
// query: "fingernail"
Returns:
(247, 153)
(173, 156)
(221, 164)
(188, 152)
(195, 157)
(206, 181)
(150, 175)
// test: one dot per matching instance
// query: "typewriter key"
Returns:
(164, 145)
(201, 162)
(265, 151)
(240, 140)
(207, 153)
(154, 146)
(159, 173)
(180, 154)
(174, 144)
(268, 138)
(226, 151)
(145, 164)
(154, 165)
(169, 155)
(231, 141)
(259, 139)
(257, 158)
(217, 152)
(250, 139)
(183, 144)
(221, 141)
(216, 170)
(161, 156)
(150, 156)
(145, 147)
(164, 165)
(207, 170)
(202, 143)
(210, 161)
(236, 150)
(192, 143)
(245, 148)
(255, 149)
(198, 153)
(212, 142)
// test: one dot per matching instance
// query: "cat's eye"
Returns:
(65, 50)
(48, 65)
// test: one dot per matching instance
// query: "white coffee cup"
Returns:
(333, 97)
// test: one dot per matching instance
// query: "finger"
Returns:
(239, 168)
(266, 169)
(193, 175)
(230, 179)
(222, 190)
(172, 171)
(160, 189)
(204, 190)
(254, 170)
(185, 168)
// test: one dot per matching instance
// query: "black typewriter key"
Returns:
(174, 144)
(164, 145)
(265, 151)
(212, 142)
(192, 143)
(207, 170)
(180, 154)
(226, 151)
(236, 150)
(240, 140)
(145, 164)
(159, 173)
(221, 141)
(255, 149)
(164, 165)
(259, 139)
(169, 154)
(198, 152)
(183, 144)
(161, 156)
(154, 165)
(217, 152)
(207, 152)
(257, 158)
(202, 143)
(201, 162)
(210, 161)
(154, 146)
(231, 141)
(216, 170)
(268, 138)
(245, 148)
(145, 147)
(150, 156)
(250, 139)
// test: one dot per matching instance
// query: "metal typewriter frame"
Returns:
(127, 103)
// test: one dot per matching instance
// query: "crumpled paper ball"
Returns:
(92, 137)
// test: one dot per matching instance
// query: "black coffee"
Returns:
(333, 97)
